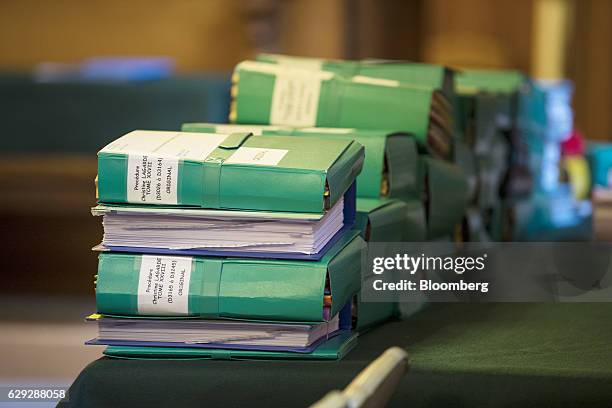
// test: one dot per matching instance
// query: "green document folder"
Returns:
(412, 73)
(234, 171)
(332, 349)
(385, 221)
(238, 288)
(381, 220)
(472, 81)
(447, 195)
(278, 95)
(392, 167)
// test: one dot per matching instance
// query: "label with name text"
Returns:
(152, 180)
(295, 99)
(163, 285)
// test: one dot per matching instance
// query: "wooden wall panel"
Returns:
(201, 35)
(477, 33)
(590, 66)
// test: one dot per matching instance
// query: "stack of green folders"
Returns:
(227, 245)
(244, 240)
(401, 112)
(369, 100)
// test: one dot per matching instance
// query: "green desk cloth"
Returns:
(504, 355)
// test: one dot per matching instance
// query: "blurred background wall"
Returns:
(47, 162)
(216, 34)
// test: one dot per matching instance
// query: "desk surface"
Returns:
(462, 355)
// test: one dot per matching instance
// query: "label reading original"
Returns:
(163, 285)
(152, 180)
(257, 156)
(153, 161)
(295, 99)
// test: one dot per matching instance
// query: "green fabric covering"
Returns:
(464, 355)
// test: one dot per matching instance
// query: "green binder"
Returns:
(412, 73)
(332, 349)
(446, 197)
(472, 81)
(239, 288)
(392, 167)
(234, 171)
(386, 221)
(278, 95)
(390, 220)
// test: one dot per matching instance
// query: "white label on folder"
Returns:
(152, 180)
(153, 161)
(295, 99)
(180, 145)
(257, 156)
(163, 285)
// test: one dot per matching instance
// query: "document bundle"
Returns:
(227, 242)
(234, 171)
(392, 166)
(274, 94)
(245, 239)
